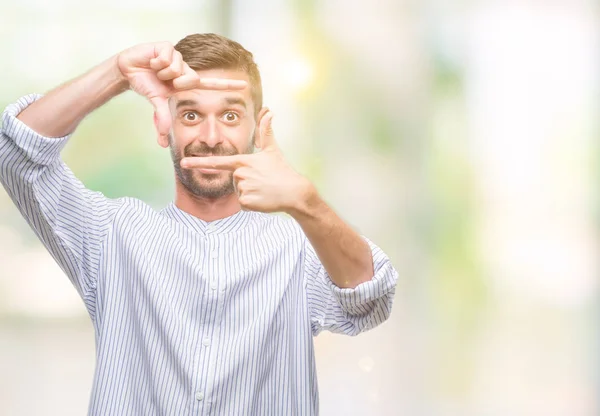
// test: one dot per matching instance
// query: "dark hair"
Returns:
(211, 51)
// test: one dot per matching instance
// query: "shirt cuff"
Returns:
(39, 149)
(381, 285)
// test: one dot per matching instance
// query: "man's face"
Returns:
(210, 122)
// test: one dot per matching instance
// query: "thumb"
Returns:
(267, 137)
(162, 115)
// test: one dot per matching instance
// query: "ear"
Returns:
(261, 114)
(163, 140)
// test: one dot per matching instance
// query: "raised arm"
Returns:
(70, 220)
(350, 282)
(153, 70)
(58, 113)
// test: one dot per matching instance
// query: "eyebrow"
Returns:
(227, 100)
(235, 101)
(186, 103)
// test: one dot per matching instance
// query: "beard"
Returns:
(203, 185)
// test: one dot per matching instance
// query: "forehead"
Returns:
(207, 96)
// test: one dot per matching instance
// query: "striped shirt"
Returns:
(190, 317)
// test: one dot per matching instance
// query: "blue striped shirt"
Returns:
(190, 317)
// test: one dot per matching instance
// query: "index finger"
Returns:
(191, 80)
(222, 84)
(215, 162)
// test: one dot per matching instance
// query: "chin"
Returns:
(207, 186)
(211, 180)
(212, 188)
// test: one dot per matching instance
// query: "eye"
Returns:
(231, 117)
(190, 116)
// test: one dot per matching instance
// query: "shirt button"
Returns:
(214, 254)
(199, 396)
(213, 285)
(206, 342)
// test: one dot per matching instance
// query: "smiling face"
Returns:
(211, 122)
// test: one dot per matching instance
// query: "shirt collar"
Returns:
(233, 223)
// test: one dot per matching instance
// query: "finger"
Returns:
(222, 84)
(163, 114)
(240, 177)
(247, 202)
(267, 137)
(189, 80)
(215, 162)
(172, 71)
(241, 173)
(163, 56)
(239, 187)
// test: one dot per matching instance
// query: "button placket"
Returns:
(204, 352)
(213, 255)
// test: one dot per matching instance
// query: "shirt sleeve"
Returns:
(343, 310)
(70, 220)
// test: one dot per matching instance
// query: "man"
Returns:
(210, 305)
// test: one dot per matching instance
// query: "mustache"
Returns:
(203, 149)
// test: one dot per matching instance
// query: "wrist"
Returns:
(119, 80)
(307, 202)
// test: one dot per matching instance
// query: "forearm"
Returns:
(58, 113)
(345, 255)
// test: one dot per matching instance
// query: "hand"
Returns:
(264, 181)
(157, 71)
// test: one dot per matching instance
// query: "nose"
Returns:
(211, 134)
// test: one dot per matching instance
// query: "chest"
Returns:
(182, 280)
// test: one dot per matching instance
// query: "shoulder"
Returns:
(129, 209)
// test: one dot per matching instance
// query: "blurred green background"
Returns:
(460, 136)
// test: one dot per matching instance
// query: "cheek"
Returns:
(239, 136)
(179, 139)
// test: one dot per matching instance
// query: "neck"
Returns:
(204, 208)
